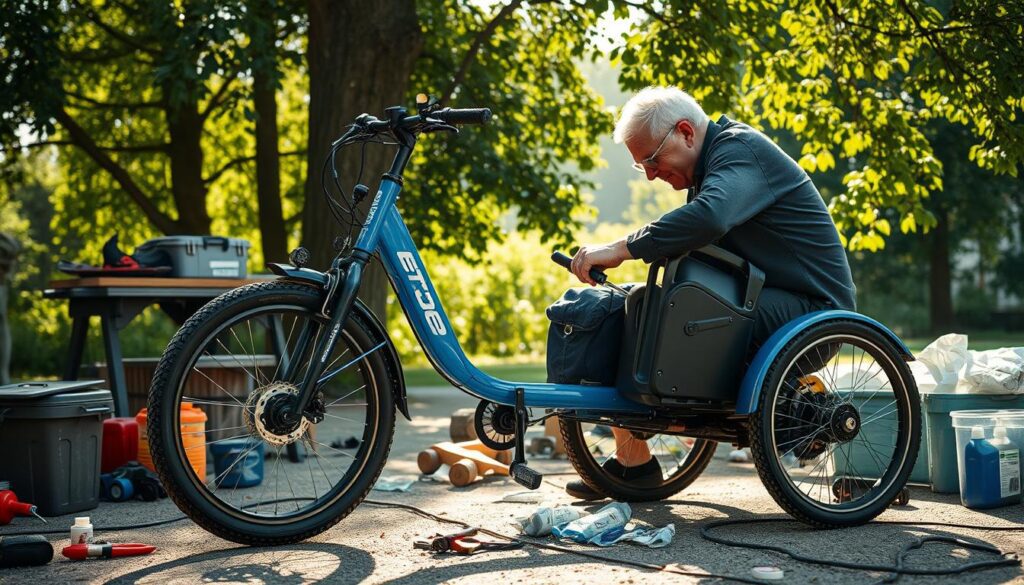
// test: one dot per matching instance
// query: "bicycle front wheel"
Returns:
(235, 362)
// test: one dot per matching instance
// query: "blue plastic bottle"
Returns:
(991, 472)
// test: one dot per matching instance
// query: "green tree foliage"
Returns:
(911, 284)
(521, 61)
(853, 82)
(148, 105)
(148, 111)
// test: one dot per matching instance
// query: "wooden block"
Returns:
(552, 430)
(468, 461)
(461, 427)
(428, 461)
(463, 473)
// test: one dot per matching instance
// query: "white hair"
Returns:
(655, 110)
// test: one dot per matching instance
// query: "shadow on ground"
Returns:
(284, 565)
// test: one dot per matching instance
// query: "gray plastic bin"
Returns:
(51, 434)
(202, 256)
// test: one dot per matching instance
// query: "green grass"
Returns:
(978, 341)
(426, 376)
(536, 372)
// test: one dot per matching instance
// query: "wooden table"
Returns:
(116, 301)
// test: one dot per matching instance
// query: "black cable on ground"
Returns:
(897, 569)
(97, 528)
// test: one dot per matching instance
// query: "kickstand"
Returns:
(519, 471)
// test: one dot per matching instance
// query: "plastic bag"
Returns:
(944, 358)
(649, 537)
(958, 370)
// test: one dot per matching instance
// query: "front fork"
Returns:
(338, 300)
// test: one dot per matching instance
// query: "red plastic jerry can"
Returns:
(120, 443)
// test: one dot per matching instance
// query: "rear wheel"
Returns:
(239, 360)
(838, 425)
(682, 461)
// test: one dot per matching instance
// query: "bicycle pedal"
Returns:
(526, 477)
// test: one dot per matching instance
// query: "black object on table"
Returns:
(118, 300)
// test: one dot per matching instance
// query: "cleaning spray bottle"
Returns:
(991, 470)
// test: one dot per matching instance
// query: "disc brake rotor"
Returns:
(262, 414)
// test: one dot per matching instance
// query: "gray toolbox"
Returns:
(201, 256)
(51, 434)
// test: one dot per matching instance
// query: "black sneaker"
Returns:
(647, 474)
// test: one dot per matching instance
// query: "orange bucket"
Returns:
(193, 437)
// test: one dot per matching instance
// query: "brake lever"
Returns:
(433, 124)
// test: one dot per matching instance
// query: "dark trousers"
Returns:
(776, 307)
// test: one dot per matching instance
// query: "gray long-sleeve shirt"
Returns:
(752, 199)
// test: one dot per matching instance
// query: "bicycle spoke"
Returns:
(346, 396)
(230, 395)
(284, 350)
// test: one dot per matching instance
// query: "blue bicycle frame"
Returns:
(385, 232)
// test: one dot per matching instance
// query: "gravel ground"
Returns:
(373, 544)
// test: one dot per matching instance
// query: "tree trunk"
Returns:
(185, 126)
(360, 54)
(940, 305)
(268, 166)
(981, 266)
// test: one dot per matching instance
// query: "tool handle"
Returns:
(25, 551)
(566, 262)
(131, 549)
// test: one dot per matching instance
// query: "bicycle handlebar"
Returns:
(449, 116)
(462, 115)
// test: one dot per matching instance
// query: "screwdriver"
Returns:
(11, 507)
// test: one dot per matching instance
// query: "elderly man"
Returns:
(745, 195)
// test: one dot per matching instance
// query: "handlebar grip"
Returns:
(565, 262)
(463, 115)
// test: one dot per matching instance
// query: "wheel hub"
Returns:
(504, 420)
(268, 413)
(844, 423)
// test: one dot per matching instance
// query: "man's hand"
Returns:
(601, 257)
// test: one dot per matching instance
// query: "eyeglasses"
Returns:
(651, 162)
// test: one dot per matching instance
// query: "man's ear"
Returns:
(687, 131)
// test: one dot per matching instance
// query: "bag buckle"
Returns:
(567, 329)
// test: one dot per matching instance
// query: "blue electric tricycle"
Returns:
(301, 368)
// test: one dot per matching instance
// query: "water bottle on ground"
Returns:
(544, 519)
(614, 515)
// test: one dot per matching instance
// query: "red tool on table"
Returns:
(106, 550)
(11, 507)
